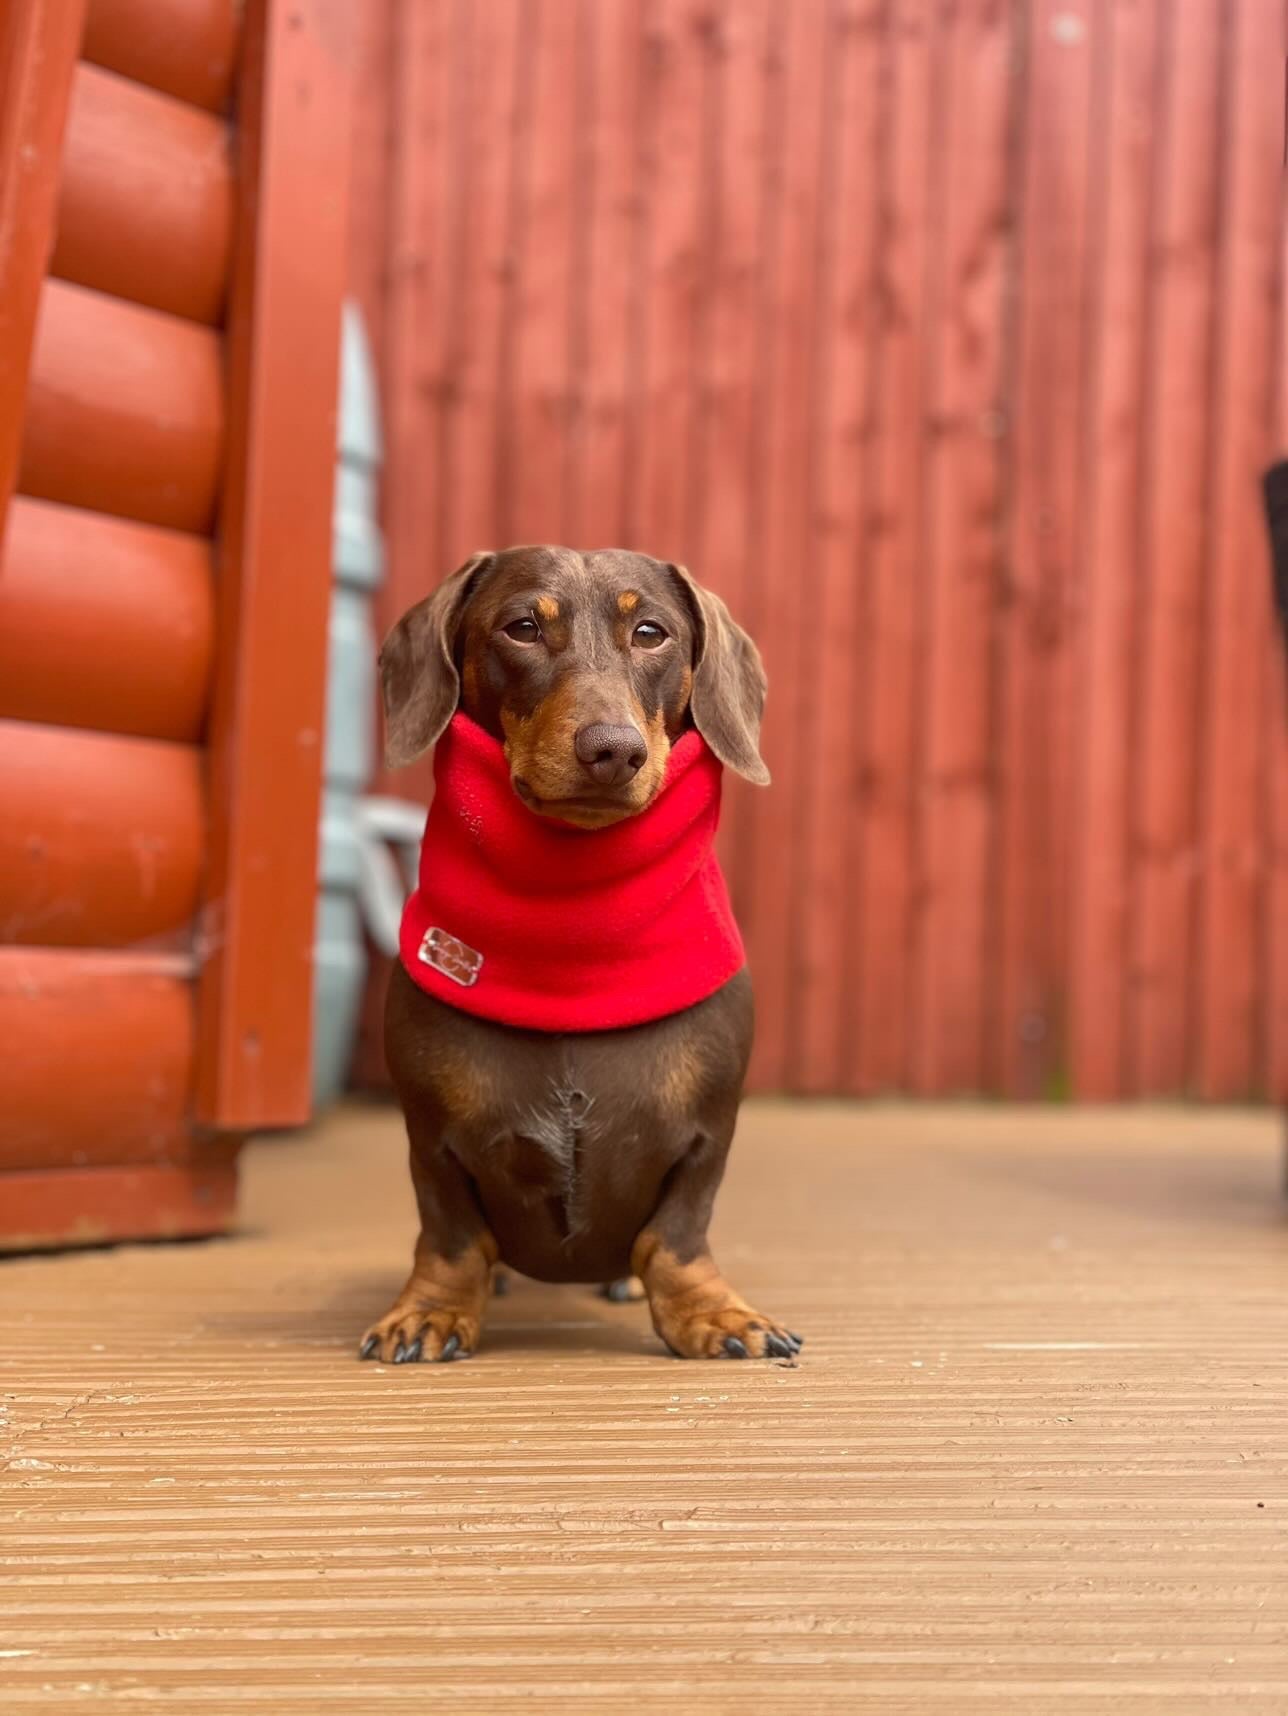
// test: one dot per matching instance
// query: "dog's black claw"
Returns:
(798, 1341)
(400, 1354)
(500, 1285)
(412, 1355)
(777, 1347)
(734, 1347)
(451, 1346)
(369, 1346)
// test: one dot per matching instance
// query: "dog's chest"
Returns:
(573, 1141)
(546, 1141)
(591, 1122)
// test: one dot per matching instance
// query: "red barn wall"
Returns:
(944, 340)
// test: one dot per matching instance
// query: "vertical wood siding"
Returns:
(943, 338)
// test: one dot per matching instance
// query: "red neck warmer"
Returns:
(533, 923)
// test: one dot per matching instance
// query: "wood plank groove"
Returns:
(1018, 1467)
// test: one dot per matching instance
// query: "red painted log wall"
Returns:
(172, 186)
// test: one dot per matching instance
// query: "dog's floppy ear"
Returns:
(419, 683)
(728, 696)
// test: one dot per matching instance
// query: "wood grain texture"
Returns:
(835, 650)
(774, 606)
(1046, 483)
(1237, 614)
(535, 401)
(1176, 532)
(883, 893)
(608, 115)
(674, 183)
(416, 320)
(962, 498)
(730, 375)
(1029, 1462)
(483, 270)
(1121, 188)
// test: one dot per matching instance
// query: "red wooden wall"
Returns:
(172, 178)
(945, 340)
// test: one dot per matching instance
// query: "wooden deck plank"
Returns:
(1029, 1463)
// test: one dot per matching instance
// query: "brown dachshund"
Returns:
(572, 1156)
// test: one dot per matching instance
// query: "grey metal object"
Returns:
(340, 960)
(389, 830)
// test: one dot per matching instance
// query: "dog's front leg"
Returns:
(694, 1309)
(439, 1313)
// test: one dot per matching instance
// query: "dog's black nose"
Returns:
(610, 755)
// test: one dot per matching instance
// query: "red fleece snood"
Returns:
(537, 924)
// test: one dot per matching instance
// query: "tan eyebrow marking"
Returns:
(628, 601)
(547, 607)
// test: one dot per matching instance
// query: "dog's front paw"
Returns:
(434, 1333)
(727, 1331)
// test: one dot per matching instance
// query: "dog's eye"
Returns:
(523, 631)
(649, 635)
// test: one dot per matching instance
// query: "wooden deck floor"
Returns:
(1033, 1459)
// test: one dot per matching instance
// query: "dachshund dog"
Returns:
(571, 1155)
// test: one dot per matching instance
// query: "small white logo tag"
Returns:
(462, 964)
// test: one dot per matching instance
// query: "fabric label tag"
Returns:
(442, 951)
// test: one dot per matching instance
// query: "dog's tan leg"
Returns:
(694, 1309)
(439, 1313)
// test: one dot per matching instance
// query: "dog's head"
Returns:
(586, 666)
